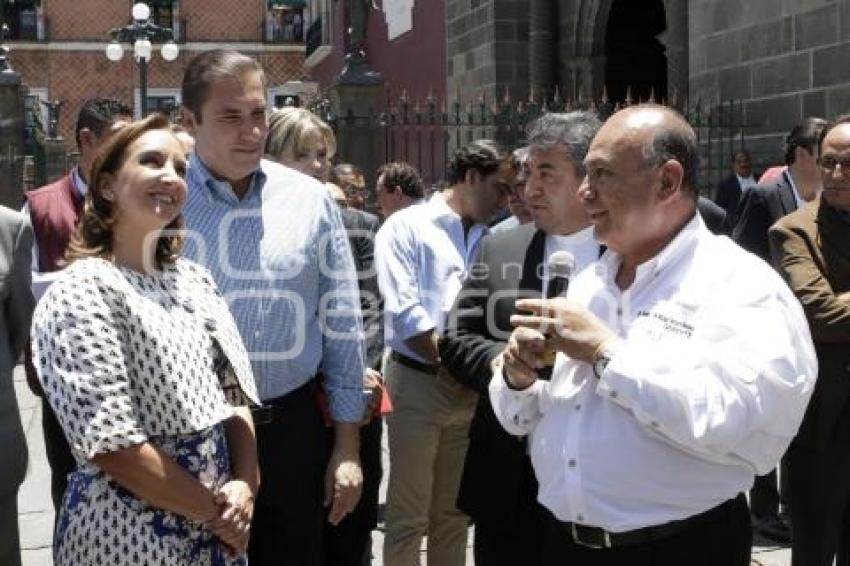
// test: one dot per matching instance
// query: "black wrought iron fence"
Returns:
(425, 133)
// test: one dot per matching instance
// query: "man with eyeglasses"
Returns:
(810, 249)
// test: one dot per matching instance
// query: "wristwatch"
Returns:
(600, 363)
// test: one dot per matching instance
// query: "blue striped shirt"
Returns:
(281, 258)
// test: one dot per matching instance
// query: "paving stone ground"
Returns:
(36, 512)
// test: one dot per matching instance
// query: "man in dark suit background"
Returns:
(732, 187)
(349, 543)
(498, 489)
(760, 208)
(768, 202)
(810, 248)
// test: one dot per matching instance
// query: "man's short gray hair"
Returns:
(573, 130)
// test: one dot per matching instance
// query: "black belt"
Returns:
(407, 361)
(595, 537)
(272, 409)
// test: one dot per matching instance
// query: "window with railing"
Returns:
(162, 12)
(317, 20)
(23, 18)
(284, 21)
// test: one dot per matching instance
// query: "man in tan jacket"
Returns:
(811, 248)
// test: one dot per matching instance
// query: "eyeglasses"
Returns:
(829, 165)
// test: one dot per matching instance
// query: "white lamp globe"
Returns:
(114, 51)
(141, 12)
(143, 49)
(170, 51)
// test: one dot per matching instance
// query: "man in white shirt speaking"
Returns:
(684, 368)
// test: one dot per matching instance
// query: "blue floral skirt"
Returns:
(103, 524)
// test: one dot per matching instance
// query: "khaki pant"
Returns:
(428, 435)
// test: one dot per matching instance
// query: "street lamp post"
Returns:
(141, 33)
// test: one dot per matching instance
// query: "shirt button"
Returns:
(578, 407)
(257, 334)
(619, 311)
(654, 424)
(613, 395)
(580, 518)
(571, 463)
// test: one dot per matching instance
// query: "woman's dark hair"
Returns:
(483, 156)
(93, 236)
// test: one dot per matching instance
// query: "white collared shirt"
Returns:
(746, 182)
(706, 388)
(581, 245)
(421, 257)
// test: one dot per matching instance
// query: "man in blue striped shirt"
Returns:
(275, 244)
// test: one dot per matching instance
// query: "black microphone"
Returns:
(561, 266)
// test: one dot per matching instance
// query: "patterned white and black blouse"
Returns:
(126, 358)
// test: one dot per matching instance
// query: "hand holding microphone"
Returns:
(527, 356)
(554, 324)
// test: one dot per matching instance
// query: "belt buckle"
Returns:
(606, 538)
(262, 415)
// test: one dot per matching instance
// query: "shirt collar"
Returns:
(682, 243)
(218, 189)
(78, 183)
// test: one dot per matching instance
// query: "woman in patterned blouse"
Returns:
(142, 363)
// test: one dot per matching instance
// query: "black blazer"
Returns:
(361, 227)
(760, 208)
(713, 216)
(498, 487)
(728, 194)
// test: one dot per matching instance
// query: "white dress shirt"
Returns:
(421, 256)
(706, 388)
(581, 245)
(746, 182)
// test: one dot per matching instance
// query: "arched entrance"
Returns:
(635, 58)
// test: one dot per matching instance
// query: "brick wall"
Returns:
(487, 49)
(73, 76)
(223, 20)
(787, 59)
(84, 20)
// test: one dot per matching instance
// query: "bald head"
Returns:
(663, 135)
(641, 176)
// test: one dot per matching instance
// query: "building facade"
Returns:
(779, 60)
(58, 46)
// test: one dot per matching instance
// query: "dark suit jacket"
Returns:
(810, 248)
(713, 216)
(16, 306)
(760, 208)
(728, 194)
(498, 487)
(361, 228)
